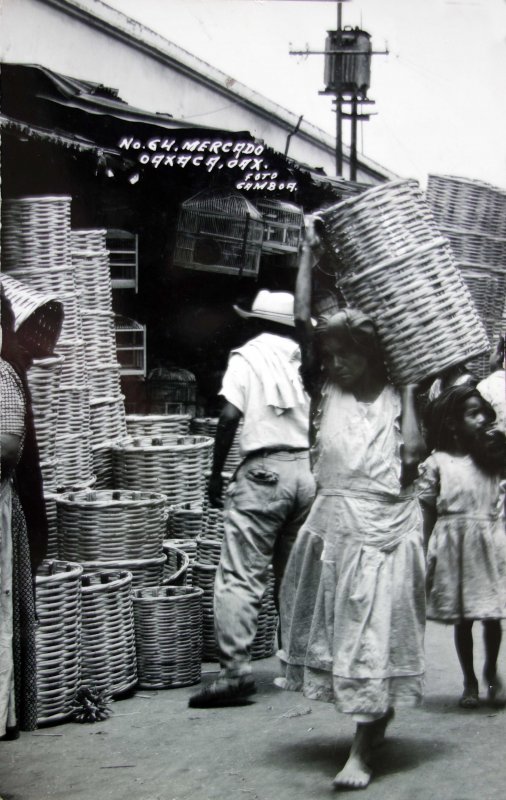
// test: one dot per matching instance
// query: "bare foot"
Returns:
(354, 775)
(379, 728)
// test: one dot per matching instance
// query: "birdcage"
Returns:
(172, 390)
(130, 345)
(283, 223)
(123, 248)
(219, 231)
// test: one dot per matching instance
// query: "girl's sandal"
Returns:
(469, 698)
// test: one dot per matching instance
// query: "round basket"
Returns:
(36, 232)
(104, 381)
(263, 644)
(185, 521)
(44, 382)
(476, 248)
(99, 337)
(93, 279)
(38, 317)
(58, 638)
(48, 470)
(466, 203)
(56, 281)
(173, 549)
(108, 660)
(208, 550)
(423, 312)
(73, 411)
(74, 366)
(116, 525)
(380, 224)
(107, 417)
(101, 455)
(88, 239)
(487, 287)
(174, 466)
(74, 462)
(168, 633)
(214, 518)
(206, 426)
(145, 572)
(52, 526)
(158, 424)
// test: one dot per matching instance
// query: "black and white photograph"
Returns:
(252, 399)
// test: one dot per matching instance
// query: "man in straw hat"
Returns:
(271, 492)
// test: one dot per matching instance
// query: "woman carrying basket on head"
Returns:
(352, 600)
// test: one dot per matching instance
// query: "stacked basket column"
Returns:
(107, 411)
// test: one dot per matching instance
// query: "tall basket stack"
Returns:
(395, 266)
(107, 412)
(206, 426)
(472, 216)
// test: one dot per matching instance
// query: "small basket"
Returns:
(38, 317)
(168, 632)
(208, 550)
(145, 572)
(58, 638)
(158, 424)
(107, 635)
(116, 525)
(173, 549)
(176, 566)
(185, 521)
(175, 466)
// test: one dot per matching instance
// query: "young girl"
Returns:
(462, 495)
(352, 600)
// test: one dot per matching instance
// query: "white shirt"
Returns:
(266, 426)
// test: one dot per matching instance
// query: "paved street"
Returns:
(281, 747)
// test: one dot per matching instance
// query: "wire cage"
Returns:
(123, 248)
(130, 345)
(172, 390)
(283, 225)
(219, 231)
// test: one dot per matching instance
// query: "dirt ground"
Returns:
(280, 747)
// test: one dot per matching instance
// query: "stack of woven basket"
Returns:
(107, 412)
(472, 216)
(394, 265)
(206, 426)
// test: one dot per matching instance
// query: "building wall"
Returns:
(88, 40)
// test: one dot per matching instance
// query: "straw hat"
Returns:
(37, 317)
(272, 306)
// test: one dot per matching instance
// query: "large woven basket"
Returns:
(101, 455)
(52, 525)
(93, 279)
(175, 466)
(107, 636)
(214, 518)
(264, 643)
(487, 287)
(145, 571)
(37, 317)
(185, 521)
(74, 460)
(422, 309)
(74, 371)
(168, 633)
(176, 569)
(158, 424)
(36, 232)
(58, 638)
(44, 380)
(476, 248)
(99, 336)
(73, 411)
(206, 426)
(113, 525)
(107, 419)
(104, 380)
(90, 240)
(466, 203)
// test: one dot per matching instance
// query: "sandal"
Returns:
(470, 698)
(224, 692)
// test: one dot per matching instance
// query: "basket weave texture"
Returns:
(44, 379)
(180, 555)
(110, 525)
(36, 232)
(175, 466)
(185, 521)
(158, 424)
(38, 317)
(206, 426)
(58, 638)
(168, 631)
(145, 571)
(107, 634)
(465, 203)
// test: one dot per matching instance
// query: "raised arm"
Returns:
(302, 309)
(413, 448)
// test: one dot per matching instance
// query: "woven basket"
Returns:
(52, 527)
(487, 287)
(185, 521)
(74, 366)
(93, 279)
(176, 566)
(476, 248)
(208, 550)
(264, 643)
(58, 634)
(469, 204)
(88, 239)
(214, 518)
(38, 317)
(423, 312)
(44, 381)
(36, 232)
(104, 381)
(173, 549)
(101, 455)
(56, 281)
(99, 337)
(48, 471)
(168, 633)
(73, 412)
(158, 424)
(110, 525)
(107, 634)
(383, 223)
(174, 466)
(107, 418)
(74, 460)
(145, 571)
(206, 426)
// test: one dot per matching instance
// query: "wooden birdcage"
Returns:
(283, 224)
(172, 390)
(130, 345)
(219, 231)
(123, 248)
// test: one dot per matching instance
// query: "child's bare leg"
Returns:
(492, 635)
(380, 727)
(356, 773)
(464, 647)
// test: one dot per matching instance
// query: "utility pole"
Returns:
(347, 73)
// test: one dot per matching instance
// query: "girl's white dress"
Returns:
(466, 559)
(353, 595)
